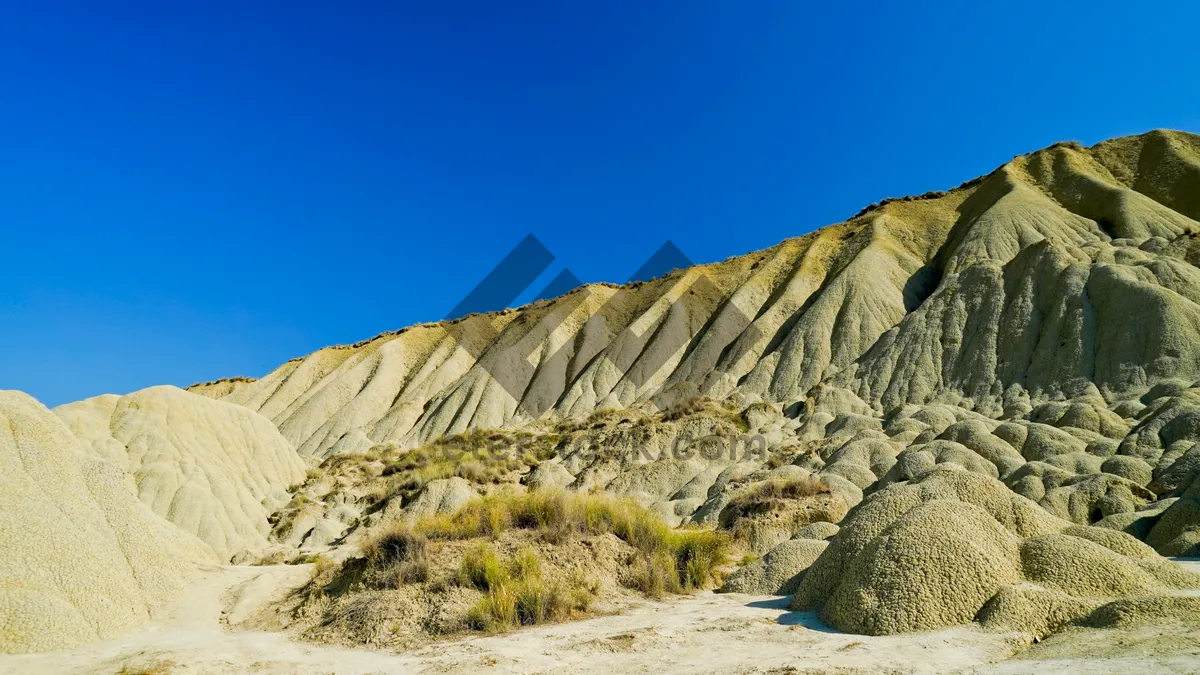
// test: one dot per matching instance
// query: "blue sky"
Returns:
(191, 190)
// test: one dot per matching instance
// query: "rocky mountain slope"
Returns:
(1035, 329)
(1064, 273)
(1038, 325)
(993, 381)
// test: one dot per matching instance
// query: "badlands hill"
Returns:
(1043, 319)
(107, 505)
(82, 559)
(977, 406)
(1065, 273)
(213, 469)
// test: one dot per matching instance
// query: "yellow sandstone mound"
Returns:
(952, 545)
(82, 558)
(214, 469)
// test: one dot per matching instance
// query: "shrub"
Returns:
(322, 564)
(760, 496)
(412, 572)
(695, 553)
(494, 519)
(472, 471)
(656, 575)
(379, 492)
(581, 599)
(791, 488)
(706, 405)
(683, 409)
(396, 544)
(698, 554)
(398, 556)
(496, 611)
(479, 456)
(451, 526)
(583, 590)
(538, 601)
(482, 569)
(153, 668)
(526, 564)
(776, 460)
(519, 594)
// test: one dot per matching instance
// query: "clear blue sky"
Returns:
(191, 190)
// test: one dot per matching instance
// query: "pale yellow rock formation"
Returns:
(981, 375)
(214, 469)
(82, 558)
(952, 545)
(1013, 288)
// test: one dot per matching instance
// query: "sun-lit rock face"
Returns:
(994, 392)
(82, 559)
(214, 469)
(1064, 274)
(1039, 325)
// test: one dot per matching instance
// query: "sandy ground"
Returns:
(704, 633)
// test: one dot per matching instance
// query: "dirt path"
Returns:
(704, 633)
(710, 633)
(190, 635)
(701, 633)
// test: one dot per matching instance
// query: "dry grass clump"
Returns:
(481, 568)
(153, 668)
(776, 460)
(790, 488)
(516, 592)
(761, 496)
(698, 554)
(497, 611)
(705, 405)
(694, 554)
(481, 456)
(696, 404)
(321, 563)
(603, 416)
(656, 575)
(397, 556)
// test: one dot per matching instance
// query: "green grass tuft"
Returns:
(695, 553)
(481, 568)
(518, 593)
